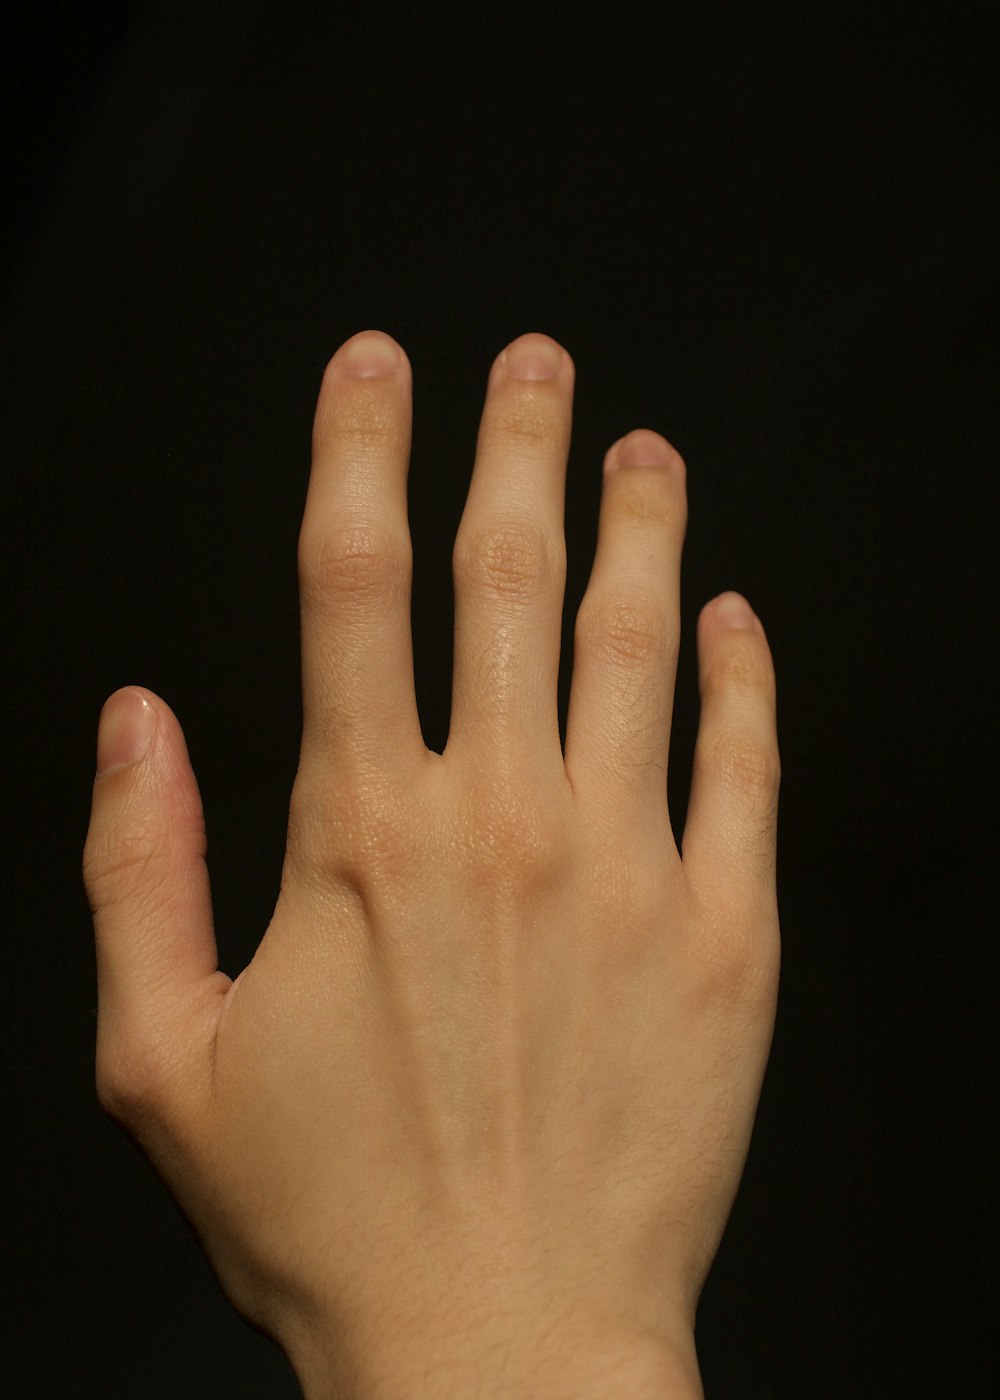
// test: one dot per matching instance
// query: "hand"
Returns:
(476, 1112)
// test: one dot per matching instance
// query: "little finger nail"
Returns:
(733, 611)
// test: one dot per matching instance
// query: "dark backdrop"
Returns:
(767, 231)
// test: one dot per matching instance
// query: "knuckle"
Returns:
(512, 840)
(516, 561)
(365, 830)
(742, 666)
(122, 865)
(132, 1087)
(121, 1098)
(384, 829)
(357, 560)
(745, 764)
(739, 960)
(631, 632)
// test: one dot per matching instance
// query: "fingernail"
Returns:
(532, 359)
(126, 727)
(369, 355)
(731, 610)
(642, 448)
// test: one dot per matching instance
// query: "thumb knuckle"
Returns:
(124, 866)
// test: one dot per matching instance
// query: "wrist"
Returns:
(484, 1365)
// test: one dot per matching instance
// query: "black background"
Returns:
(767, 232)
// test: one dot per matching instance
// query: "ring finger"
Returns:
(627, 635)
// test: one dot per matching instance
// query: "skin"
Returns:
(472, 1120)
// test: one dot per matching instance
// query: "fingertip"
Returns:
(144, 866)
(368, 354)
(730, 612)
(367, 386)
(143, 759)
(533, 355)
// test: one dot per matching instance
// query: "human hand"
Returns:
(473, 1118)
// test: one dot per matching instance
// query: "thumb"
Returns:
(159, 987)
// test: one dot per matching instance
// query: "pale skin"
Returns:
(471, 1122)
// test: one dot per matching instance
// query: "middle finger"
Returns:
(509, 561)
